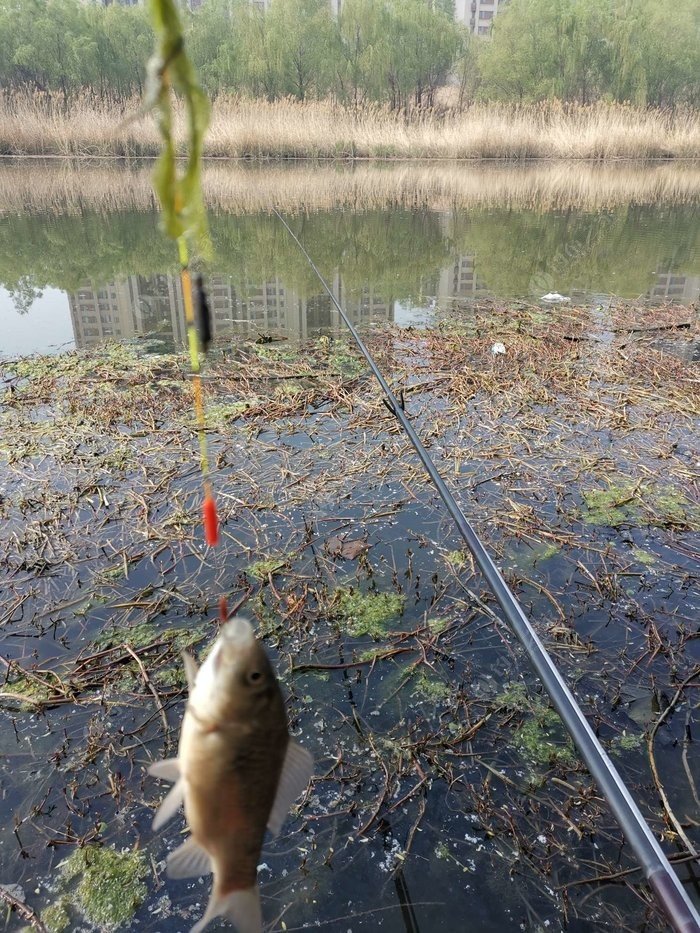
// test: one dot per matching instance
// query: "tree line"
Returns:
(394, 52)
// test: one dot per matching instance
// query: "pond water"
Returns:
(446, 795)
(85, 270)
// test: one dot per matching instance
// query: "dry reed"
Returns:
(68, 186)
(322, 129)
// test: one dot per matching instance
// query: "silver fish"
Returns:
(237, 771)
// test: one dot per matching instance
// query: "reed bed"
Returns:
(72, 186)
(255, 129)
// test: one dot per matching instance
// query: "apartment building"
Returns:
(477, 15)
(683, 289)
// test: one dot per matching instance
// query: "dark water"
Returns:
(402, 830)
(76, 280)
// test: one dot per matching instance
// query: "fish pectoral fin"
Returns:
(191, 669)
(170, 805)
(241, 907)
(167, 770)
(296, 771)
(188, 861)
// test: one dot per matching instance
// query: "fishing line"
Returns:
(661, 877)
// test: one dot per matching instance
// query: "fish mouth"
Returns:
(234, 637)
(237, 631)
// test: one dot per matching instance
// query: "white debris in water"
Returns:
(498, 348)
(472, 839)
(542, 839)
(393, 855)
(554, 297)
(163, 907)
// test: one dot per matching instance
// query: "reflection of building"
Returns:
(154, 305)
(102, 313)
(680, 288)
(460, 280)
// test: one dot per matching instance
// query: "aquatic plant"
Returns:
(640, 503)
(261, 569)
(56, 916)
(110, 883)
(367, 613)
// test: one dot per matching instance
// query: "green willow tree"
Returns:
(394, 52)
(582, 50)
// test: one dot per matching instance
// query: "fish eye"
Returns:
(254, 677)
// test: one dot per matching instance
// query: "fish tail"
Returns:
(241, 907)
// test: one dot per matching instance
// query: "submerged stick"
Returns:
(23, 910)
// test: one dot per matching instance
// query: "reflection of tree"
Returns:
(24, 294)
(66, 250)
(391, 252)
(619, 251)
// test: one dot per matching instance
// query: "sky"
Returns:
(45, 328)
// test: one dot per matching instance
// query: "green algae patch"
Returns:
(541, 738)
(111, 885)
(367, 613)
(268, 620)
(514, 697)
(274, 353)
(437, 626)
(644, 557)
(527, 556)
(456, 559)
(343, 361)
(219, 414)
(639, 504)
(55, 917)
(430, 689)
(627, 742)
(261, 569)
(23, 691)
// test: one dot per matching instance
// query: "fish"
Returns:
(237, 772)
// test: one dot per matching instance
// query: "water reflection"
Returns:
(139, 304)
(154, 304)
(395, 263)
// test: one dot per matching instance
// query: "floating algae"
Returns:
(56, 917)
(627, 742)
(638, 504)
(457, 559)
(541, 737)
(367, 613)
(111, 885)
(261, 569)
(23, 691)
(430, 689)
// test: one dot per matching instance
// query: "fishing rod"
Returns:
(661, 877)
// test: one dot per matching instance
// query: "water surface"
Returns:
(413, 821)
(389, 259)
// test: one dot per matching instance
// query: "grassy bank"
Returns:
(71, 186)
(288, 130)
